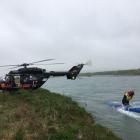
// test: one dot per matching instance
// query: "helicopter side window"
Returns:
(7, 79)
(26, 80)
(33, 78)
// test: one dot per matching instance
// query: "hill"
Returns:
(130, 72)
(42, 115)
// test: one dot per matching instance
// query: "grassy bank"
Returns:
(42, 115)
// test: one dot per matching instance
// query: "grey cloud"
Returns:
(106, 32)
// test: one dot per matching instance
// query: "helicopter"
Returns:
(33, 77)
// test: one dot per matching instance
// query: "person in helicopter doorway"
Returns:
(127, 97)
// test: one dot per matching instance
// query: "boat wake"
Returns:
(119, 107)
(130, 114)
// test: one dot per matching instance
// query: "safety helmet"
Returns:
(131, 93)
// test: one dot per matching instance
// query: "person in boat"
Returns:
(127, 97)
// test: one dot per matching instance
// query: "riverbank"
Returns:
(131, 72)
(43, 115)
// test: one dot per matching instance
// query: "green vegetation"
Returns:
(42, 115)
(118, 72)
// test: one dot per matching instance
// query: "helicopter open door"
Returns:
(17, 80)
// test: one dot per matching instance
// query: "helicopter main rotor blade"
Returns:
(51, 64)
(26, 64)
(14, 67)
(8, 65)
(40, 61)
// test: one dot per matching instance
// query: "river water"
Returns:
(95, 93)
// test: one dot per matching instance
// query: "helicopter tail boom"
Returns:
(71, 74)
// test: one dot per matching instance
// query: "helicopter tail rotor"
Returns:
(88, 63)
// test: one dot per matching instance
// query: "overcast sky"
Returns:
(107, 32)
